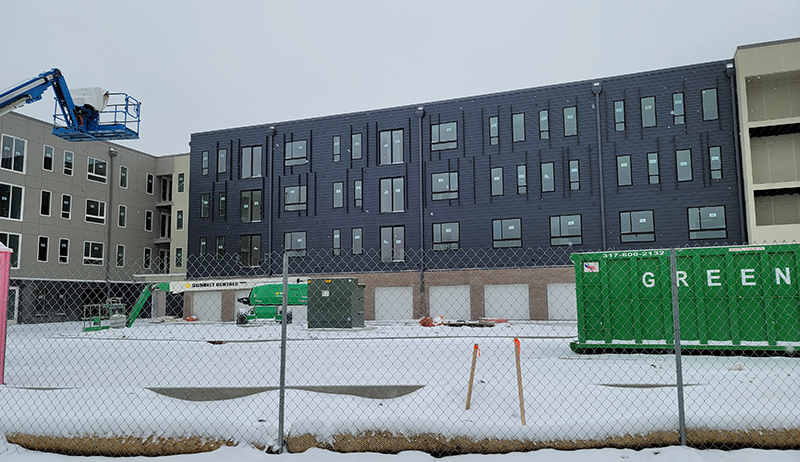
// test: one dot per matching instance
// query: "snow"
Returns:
(61, 381)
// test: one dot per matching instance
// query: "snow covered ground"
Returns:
(61, 381)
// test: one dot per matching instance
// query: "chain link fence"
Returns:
(448, 352)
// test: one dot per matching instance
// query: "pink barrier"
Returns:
(5, 267)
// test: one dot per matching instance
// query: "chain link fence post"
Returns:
(284, 315)
(676, 327)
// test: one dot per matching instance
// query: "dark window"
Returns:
(444, 186)
(205, 205)
(337, 148)
(574, 175)
(392, 195)
(44, 244)
(355, 151)
(392, 243)
(294, 198)
(518, 127)
(250, 211)
(251, 162)
(44, 204)
(204, 164)
(123, 176)
(179, 257)
(336, 241)
(570, 121)
(63, 250)
(678, 111)
(294, 153)
(565, 230)
(619, 116)
(715, 162)
(92, 253)
(181, 182)
(652, 167)
(710, 109)
(222, 205)
(648, 111)
(122, 219)
(494, 130)
(10, 201)
(97, 170)
(150, 183)
(203, 246)
(220, 253)
(222, 160)
(544, 124)
(507, 233)
(13, 155)
(624, 177)
(68, 162)
(179, 220)
(47, 161)
(95, 211)
(12, 242)
(295, 243)
(497, 181)
(445, 236)
(66, 205)
(522, 179)
(391, 147)
(147, 258)
(636, 226)
(148, 220)
(358, 193)
(707, 223)
(121, 256)
(444, 136)
(548, 177)
(338, 194)
(357, 246)
(250, 249)
(683, 158)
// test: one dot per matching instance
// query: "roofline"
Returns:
(765, 44)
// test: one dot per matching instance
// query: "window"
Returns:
(97, 170)
(494, 130)
(357, 194)
(150, 183)
(95, 211)
(294, 198)
(391, 147)
(68, 162)
(66, 206)
(444, 136)
(624, 177)
(179, 257)
(148, 220)
(220, 253)
(337, 148)
(336, 244)
(250, 250)
(570, 121)
(652, 167)
(44, 244)
(205, 205)
(338, 194)
(179, 220)
(122, 216)
(619, 116)
(47, 160)
(222, 204)
(648, 111)
(13, 155)
(678, 111)
(251, 162)
(357, 246)
(548, 177)
(147, 258)
(123, 177)
(497, 181)
(166, 189)
(120, 256)
(393, 243)
(683, 158)
(715, 162)
(574, 175)
(445, 236)
(92, 253)
(392, 195)
(10, 201)
(63, 250)
(710, 109)
(355, 150)
(44, 203)
(203, 248)
(204, 164)
(295, 243)
(707, 223)
(544, 124)
(222, 160)
(12, 241)
(522, 179)
(518, 127)
(181, 182)
(444, 186)
(506, 233)
(636, 226)
(250, 211)
(294, 153)
(565, 230)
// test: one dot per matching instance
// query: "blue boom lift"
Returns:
(93, 114)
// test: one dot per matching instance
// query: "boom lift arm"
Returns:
(90, 119)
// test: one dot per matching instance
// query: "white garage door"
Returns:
(394, 303)
(450, 302)
(562, 303)
(207, 306)
(506, 301)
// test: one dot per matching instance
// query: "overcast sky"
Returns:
(206, 65)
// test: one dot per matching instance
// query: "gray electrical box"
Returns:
(335, 303)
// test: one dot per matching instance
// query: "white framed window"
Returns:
(12, 153)
(151, 179)
(147, 258)
(120, 255)
(122, 216)
(11, 200)
(148, 220)
(66, 206)
(43, 249)
(179, 220)
(69, 162)
(44, 203)
(95, 211)
(47, 158)
(97, 170)
(92, 253)
(13, 242)
(123, 177)
(63, 250)
(179, 257)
